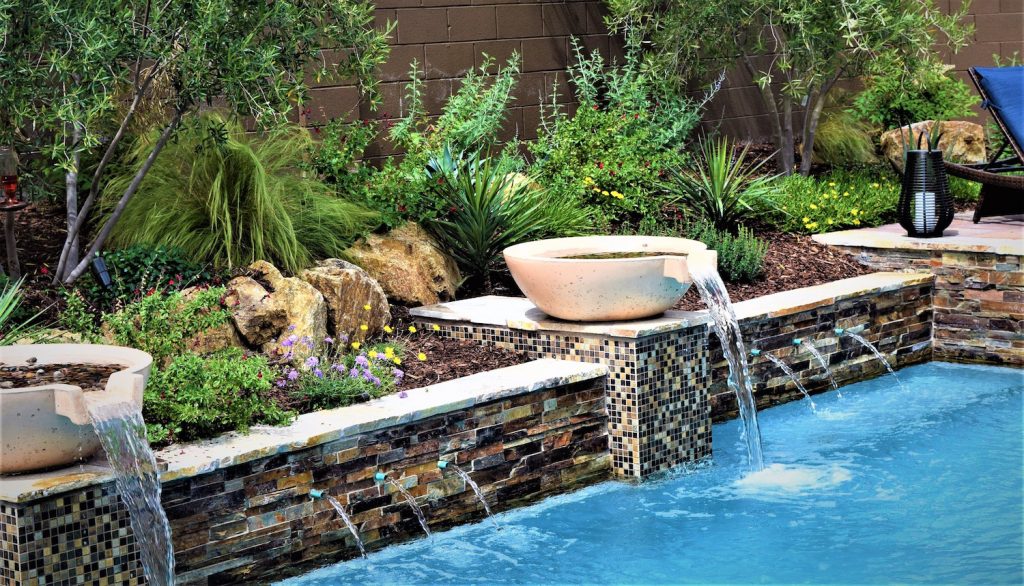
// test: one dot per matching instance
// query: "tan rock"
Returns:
(256, 315)
(348, 290)
(408, 265)
(304, 307)
(962, 142)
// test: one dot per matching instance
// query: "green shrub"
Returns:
(843, 140)
(900, 97)
(740, 257)
(15, 325)
(76, 317)
(226, 197)
(720, 187)
(489, 209)
(162, 324)
(197, 397)
(613, 152)
(964, 191)
(841, 199)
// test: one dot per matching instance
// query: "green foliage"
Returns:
(844, 140)
(223, 196)
(197, 397)
(610, 156)
(740, 256)
(12, 326)
(895, 96)
(838, 200)
(333, 377)
(77, 317)
(335, 156)
(720, 187)
(162, 324)
(490, 209)
(139, 269)
(964, 191)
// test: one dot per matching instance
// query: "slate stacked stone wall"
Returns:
(255, 522)
(898, 322)
(979, 300)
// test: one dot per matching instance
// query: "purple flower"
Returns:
(307, 341)
(291, 328)
(367, 375)
(293, 374)
(338, 367)
(362, 361)
(312, 362)
(328, 340)
(280, 383)
(343, 338)
(290, 340)
(403, 395)
(376, 381)
(398, 373)
(288, 355)
(354, 373)
(381, 356)
(318, 373)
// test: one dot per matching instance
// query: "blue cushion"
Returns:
(1005, 89)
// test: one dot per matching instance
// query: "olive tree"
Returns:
(795, 50)
(80, 76)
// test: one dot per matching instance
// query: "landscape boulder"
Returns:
(408, 265)
(961, 142)
(305, 311)
(353, 299)
(255, 313)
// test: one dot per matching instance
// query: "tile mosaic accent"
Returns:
(658, 410)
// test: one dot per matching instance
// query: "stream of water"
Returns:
(122, 433)
(412, 503)
(476, 489)
(789, 372)
(881, 357)
(824, 364)
(348, 523)
(727, 328)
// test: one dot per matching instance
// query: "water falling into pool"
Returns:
(727, 327)
(824, 364)
(122, 433)
(413, 504)
(476, 489)
(878, 355)
(789, 372)
(348, 523)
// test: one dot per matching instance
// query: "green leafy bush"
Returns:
(489, 209)
(720, 187)
(613, 152)
(15, 325)
(163, 324)
(335, 156)
(197, 397)
(740, 256)
(225, 197)
(838, 200)
(928, 92)
(844, 140)
(76, 317)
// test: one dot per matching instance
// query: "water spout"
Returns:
(319, 494)
(821, 360)
(727, 328)
(789, 372)
(444, 465)
(881, 357)
(381, 477)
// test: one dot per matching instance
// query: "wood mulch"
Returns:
(791, 262)
(90, 377)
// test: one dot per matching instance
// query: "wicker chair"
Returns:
(1002, 185)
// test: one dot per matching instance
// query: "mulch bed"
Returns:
(792, 261)
(89, 377)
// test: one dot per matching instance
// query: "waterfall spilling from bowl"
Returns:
(618, 278)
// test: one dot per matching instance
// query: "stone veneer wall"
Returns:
(979, 300)
(254, 521)
(658, 414)
(898, 322)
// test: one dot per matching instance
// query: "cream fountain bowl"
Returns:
(48, 426)
(606, 289)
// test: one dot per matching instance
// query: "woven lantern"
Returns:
(926, 205)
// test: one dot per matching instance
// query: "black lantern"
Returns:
(8, 177)
(926, 205)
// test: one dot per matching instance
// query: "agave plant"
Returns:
(13, 329)
(720, 187)
(491, 208)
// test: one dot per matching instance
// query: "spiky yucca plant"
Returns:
(228, 197)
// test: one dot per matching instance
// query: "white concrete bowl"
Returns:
(47, 426)
(605, 289)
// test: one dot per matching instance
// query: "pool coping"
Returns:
(319, 427)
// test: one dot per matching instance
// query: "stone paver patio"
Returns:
(1000, 235)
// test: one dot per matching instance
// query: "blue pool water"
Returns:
(881, 486)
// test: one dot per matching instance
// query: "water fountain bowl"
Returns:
(48, 426)
(605, 289)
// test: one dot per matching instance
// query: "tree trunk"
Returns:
(785, 161)
(108, 226)
(787, 148)
(816, 103)
(71, 195)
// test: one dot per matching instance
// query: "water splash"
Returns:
(727, 328)
(789, 372)
(824, 364)
(412, 503)
(476, 489)
(348, 523)
(122, 433)
(881, 357)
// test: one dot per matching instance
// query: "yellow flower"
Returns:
(854, 212)
(363, 327)
(421, 356)
(436, 328)
(806, 220)
(846, 193)
(617, 195)
(367, 307)
(412, 329)
(831, 183)
(812, 225)
(356, 345)
(597, 190)
(830, 222)
(388, 329)
(389, 352)
(588, 181)
(396, 360)
(814, 206)
(856, 222)
(604, 193)
(875, 185)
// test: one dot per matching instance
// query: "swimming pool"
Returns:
(881, 485)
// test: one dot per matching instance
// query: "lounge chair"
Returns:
(1002, 185)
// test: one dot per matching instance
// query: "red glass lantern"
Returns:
(9, 175)
(10, 188)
